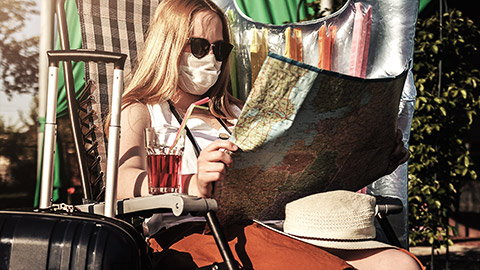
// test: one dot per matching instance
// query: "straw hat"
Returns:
(336, 219)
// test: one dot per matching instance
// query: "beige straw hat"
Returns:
(335, 219)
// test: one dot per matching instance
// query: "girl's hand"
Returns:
(399, 154)
(211, 167)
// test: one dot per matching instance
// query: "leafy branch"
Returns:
(446, 70)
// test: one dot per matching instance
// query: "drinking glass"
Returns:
(164, 148)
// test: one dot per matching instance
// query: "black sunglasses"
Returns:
(200, 47)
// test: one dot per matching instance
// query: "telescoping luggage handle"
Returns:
(54, 57)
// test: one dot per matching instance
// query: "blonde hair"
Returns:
(155, 75)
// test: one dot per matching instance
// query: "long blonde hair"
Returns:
(155, 75)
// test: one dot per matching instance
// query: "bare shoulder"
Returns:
(136, 109)
(135, 116)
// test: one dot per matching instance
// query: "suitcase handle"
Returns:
(118, 59)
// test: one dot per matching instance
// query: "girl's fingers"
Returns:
(215, 152)
(212, 167)
(212, 163)
(221, 144)
(209, 177)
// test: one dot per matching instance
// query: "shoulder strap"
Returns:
(224, 125)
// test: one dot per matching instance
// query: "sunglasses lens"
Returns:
(199, 47)
(221, 50)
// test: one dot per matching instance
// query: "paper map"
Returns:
(304, 130)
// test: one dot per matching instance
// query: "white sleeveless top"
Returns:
(204, 134)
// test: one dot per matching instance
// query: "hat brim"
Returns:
(347, 245)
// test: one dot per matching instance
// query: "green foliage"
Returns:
(18, 74)
(446, 70)
(19, 147)
(317, 11)
(18, 55)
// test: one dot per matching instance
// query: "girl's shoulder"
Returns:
(135, 117)
(136, 109)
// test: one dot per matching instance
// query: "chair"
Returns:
(86, 147)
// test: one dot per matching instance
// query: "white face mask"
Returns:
(196, 76)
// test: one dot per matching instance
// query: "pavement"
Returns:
(463, 255)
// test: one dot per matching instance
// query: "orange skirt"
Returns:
(252, 245)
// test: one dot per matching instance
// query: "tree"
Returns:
(18, 75)
(18, 55)
(447, 75)
(18, 146)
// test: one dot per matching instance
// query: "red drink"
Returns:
(164, 173)
(164, 146)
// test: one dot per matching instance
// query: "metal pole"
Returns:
(221, 241)
(113, 145)
(47, 18)
(49, 142)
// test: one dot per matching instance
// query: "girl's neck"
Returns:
(182, 100)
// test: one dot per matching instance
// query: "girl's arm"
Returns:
(132, 170)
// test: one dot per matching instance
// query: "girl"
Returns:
(185, 59)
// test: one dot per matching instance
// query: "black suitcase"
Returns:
(45, 240)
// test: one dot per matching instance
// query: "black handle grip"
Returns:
(82, 55)
(389, 205)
